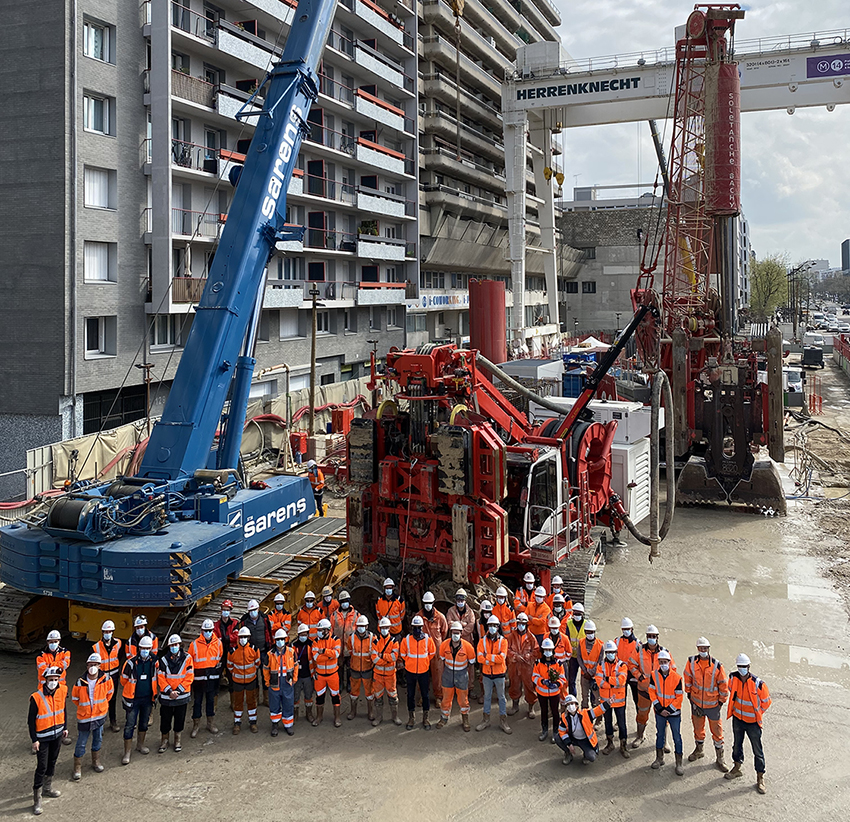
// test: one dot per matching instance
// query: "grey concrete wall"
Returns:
(19, 432)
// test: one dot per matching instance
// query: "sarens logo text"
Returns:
(569, 89)
(284, 155)
(285, 512)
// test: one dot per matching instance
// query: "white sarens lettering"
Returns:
(284, 155)
(279, 517)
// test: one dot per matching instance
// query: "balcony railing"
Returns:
(330, 240)
(329, 189)
(196, 223)
(187, 289)
(192, 23)
(194, 156)
(332, 139)
(340, 43)
(193, 89)
(336, 90)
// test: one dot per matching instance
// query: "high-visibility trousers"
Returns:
(282, 704)
(329, 682)
(242, 700)
(437, 678)
(716, 726)
(449, 694)
(520, 680)
(364, 677)
(643, 705)
(382, 683)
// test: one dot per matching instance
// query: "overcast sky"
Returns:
(796, 168)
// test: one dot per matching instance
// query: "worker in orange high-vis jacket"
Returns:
(206, 652)
(589, 653)
(391, 606)
(611, 681)
(279, 618)
(317, 480)
(416, 651)
(521, 658)
(644, 662)
(576, 730)
(666, 691)
(551, 685)
(329, 603)
(53, 655)
(359, 650)
(309, 614)
(525, 593)
(343, 623)
(538, 613)
(108, 648)
(243, 663)
(504, 609)
(563, 646)
(175, 675)
(326, 651)
(562, 608)
(556, 594)
(280, 672)
(139, 687)
(46, 721)
(91, 694)
(749, 698)
(140, 629)
(627, 645)
(707, 690)
(385, 651)
(492, 655)
(458, 658)
(437, 627)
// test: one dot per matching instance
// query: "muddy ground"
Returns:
(750, 584)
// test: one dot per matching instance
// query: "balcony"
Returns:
(192, 89)
(389, 25)
(283, 10)
(382, 68)
(190, 22)
(468, 205)
(441, 85)
(387, 205)
(330, 240)
(374, 154)
(230, 101)
(328, 189)
(282, 294)
(330, 138)
(193, 156)
(381, 248)
(244, 47)
(196, 224)
(379, 110)
(444, 124)
(187, 289)
(443, 161)
(381, 293)
(439, 50)
(439, 13)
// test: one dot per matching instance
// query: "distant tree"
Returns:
(768, 285)
(837, 288)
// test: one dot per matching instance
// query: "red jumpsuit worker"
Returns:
(523, 651)
(437, 627)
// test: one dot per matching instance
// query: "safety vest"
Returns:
(317, 480)
(328, 609)
(108, 656)
(666, 690)
(50, 719)
(394, 610)
(491, 655)
(243, 662)
(132, 646)
(506, 617)
(385, 654)
(280, 620)
(748, 700)
(95, 706)
(538, 616)
(343, 624)
(563, 647)
(326, 655)
(47, 659)
(175, 676)
(575, 632)
(130, 678)
(586, 717)
(705, 682)
(206, 657)
(611, 679)
(627, 650)
(589, 659)
(644, 663)
(360, 651)
(456, 662)
(417, 653)
(548, 678)
(521, 599)
(310, 617)
(280, 662)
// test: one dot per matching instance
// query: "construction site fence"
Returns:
(841, 352)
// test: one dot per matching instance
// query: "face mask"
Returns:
(225, 614)
(309, 603)
(417, 632)
(278, 606)
(521, 626)
(529, 586)
(627, 633)
(302, 638)
(107, 637)
(492, 630)
(651, 641)
(145, 653)
(578, 619)
(328, 599)
(556, 589)
(243, 640)
(429, 606)
(539, 599)
(485, 615)
(547, 654)
(610, 657)
(455, 638)
(590, 637)
(94, 670)
(175, 649)
(344, 605)
(385, 631)
(461, 604)
(558, 611)
(500, 600)
(323, 634)
(52, 684)
(742, 670)
(388, 592)
(53, 646)
(208, 635)
(361, 630)
(703, 654)
(140, 631)
(253, 614)
(663, 667)
(280, 642)
(571, 708)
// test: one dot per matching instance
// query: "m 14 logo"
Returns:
(279, 517)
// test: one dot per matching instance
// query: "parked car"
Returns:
(844, 328)
(832, 328)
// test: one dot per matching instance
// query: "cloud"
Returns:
(795, 169)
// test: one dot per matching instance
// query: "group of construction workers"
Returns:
(536, 644)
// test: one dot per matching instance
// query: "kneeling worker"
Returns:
(576, 728)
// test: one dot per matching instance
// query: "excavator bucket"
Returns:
(762, 490)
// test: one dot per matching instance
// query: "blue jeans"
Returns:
(587, 750)
(752, 730)
(83, 737)
(497, 682)
(620, 713)
(675, 723)
(140, 711)
(572, 673)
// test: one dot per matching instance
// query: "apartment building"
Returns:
(116, 190)
(463, 207)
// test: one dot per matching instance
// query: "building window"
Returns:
(288, 323)
(588, 287)
(103, 410)
(373, 320)
(97, 41)
(432, 279)
(316, 272)
(166, 331)
(589, 252)
(369, 274)
(347, 320)
(99, 262)
(100, 187)
(392, 317)
(327, 379)
(97, 114)
(323, 322)
(417, 322)
(101, 336)
(571, 287)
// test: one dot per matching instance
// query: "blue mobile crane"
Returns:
(177, 531)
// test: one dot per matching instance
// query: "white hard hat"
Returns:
(427, 597)
(174, 639)
(664, 654)
(207, 625)
(279, 598)
(384, 623)
(529, 577)
(456, 626)
(589, 626)
(388, 583)
(494, 620)
(460, 593)
(522, 617)
(651, 629)
(556, 580)
(140, 620)
(610, 645)
(742, 659)
(559, 598)
(327, 591)
(109, 625)
(311, 463)
(146, 642)
(244, 631)
(302, 628)
(417, 621)
(501, 591)
(702, 642)
(53, 673)
(578, 608)
(309, 595)
(569, 699)
(540, 591)
(94, 659)
(344, 595)
(280, 634)
(554, 622)
(324, 625)
(486, 605)
(362, 621)
(626, 623)
(252, 604)
(54, 636)
(547, 645)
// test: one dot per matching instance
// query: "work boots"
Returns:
(275, 728)
(177, 744)
(353, 712)
(140, 744)
(760, 786)
(378, 718)
(196, 724)
(624, 749)
(718, 761)
(609, 746)
(337, 720)
(163, 743)
(659, 759)
(95, 762)
(503, 723)
(735, 772)
(698, 752)
(464, 719)
(394, 711)
(320, 715)
(370, 708)
(568, 757)
(484, 723)
(36, 802)
(252, 726)
(638, 740)
(308, 713)
(128, 748)
(211, 725)
(443, 721)
(77, 775)
(411, 720)
(47, 788)
(425, 723)
(237, 728)
(514, 707)
(679, 769)
(113, 726)
(543, 734)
